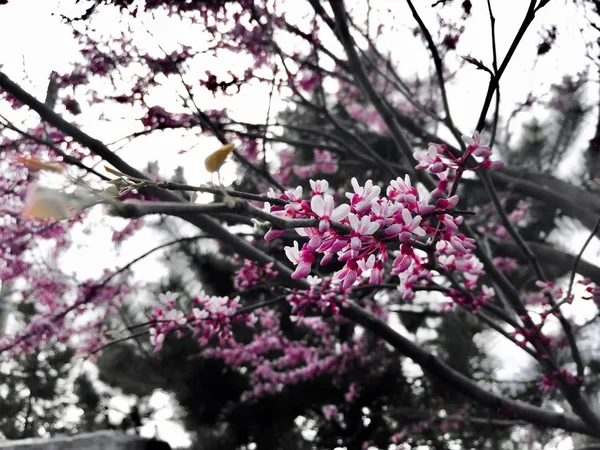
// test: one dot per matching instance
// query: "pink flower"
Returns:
(412, 223)
(429, 159)
(363, 196)
(447, 203)
(401, 190)
(462, 244)
(375, 267)
(477, 145)
(348, 274)
(360, 228)
(325, 162)
(323, 208)
(303, 258)
(319, 187)
(492, 165)
(329, 412)
(352, 392)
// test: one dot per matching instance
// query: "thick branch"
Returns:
(552, 256)
(438, 368)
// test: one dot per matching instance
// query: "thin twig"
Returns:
(579, 256)
(403, 145)
(439, 70)
(66, 157)
(495, 67)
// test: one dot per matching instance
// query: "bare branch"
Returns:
(382, 108)
(466, 386)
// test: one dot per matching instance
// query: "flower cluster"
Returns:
(274, 361)
(505, 264)
(358, 233)
(518, 216)
(209, 317)
(324, 294)
(323, 163)
(158, 118)
(169, 64)
(250, 274)
(72, 322)
(547, 291)
(439, 158)
(550, 382)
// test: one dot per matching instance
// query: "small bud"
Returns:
(261, 227)
(111, 191)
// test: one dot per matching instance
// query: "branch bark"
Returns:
(510, 408)
(552, 256)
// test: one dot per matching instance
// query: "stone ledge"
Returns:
(100, 440)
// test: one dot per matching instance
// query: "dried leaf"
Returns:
(215, 160)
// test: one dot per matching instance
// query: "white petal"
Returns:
(372, 228)
(371, 260)
(468, 140)
(419, 231)
(317, 204)
(353, 221)
(406, 216)
(292, 253)
(341, 212)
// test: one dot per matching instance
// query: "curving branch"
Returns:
(439, 70)
(464, 385)
(551, 256)
(205, 223)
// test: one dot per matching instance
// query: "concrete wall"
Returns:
(100, 440)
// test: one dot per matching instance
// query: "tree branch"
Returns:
(510, 408)
(552, 256)
(387, 115)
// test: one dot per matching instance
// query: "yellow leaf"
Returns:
(46, 204)
(35, 164)
(42, 203)
(216, 159)
(113, 171)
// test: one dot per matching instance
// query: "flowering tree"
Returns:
(361, 199)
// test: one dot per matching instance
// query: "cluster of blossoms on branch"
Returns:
(295, 360)
(210, 317)
(324, 163)
(327, 295)
(439, 158)
(213, 317)
(250, 274)
(71, 315)
(364, 232)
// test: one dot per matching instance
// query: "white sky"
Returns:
(40, 43)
